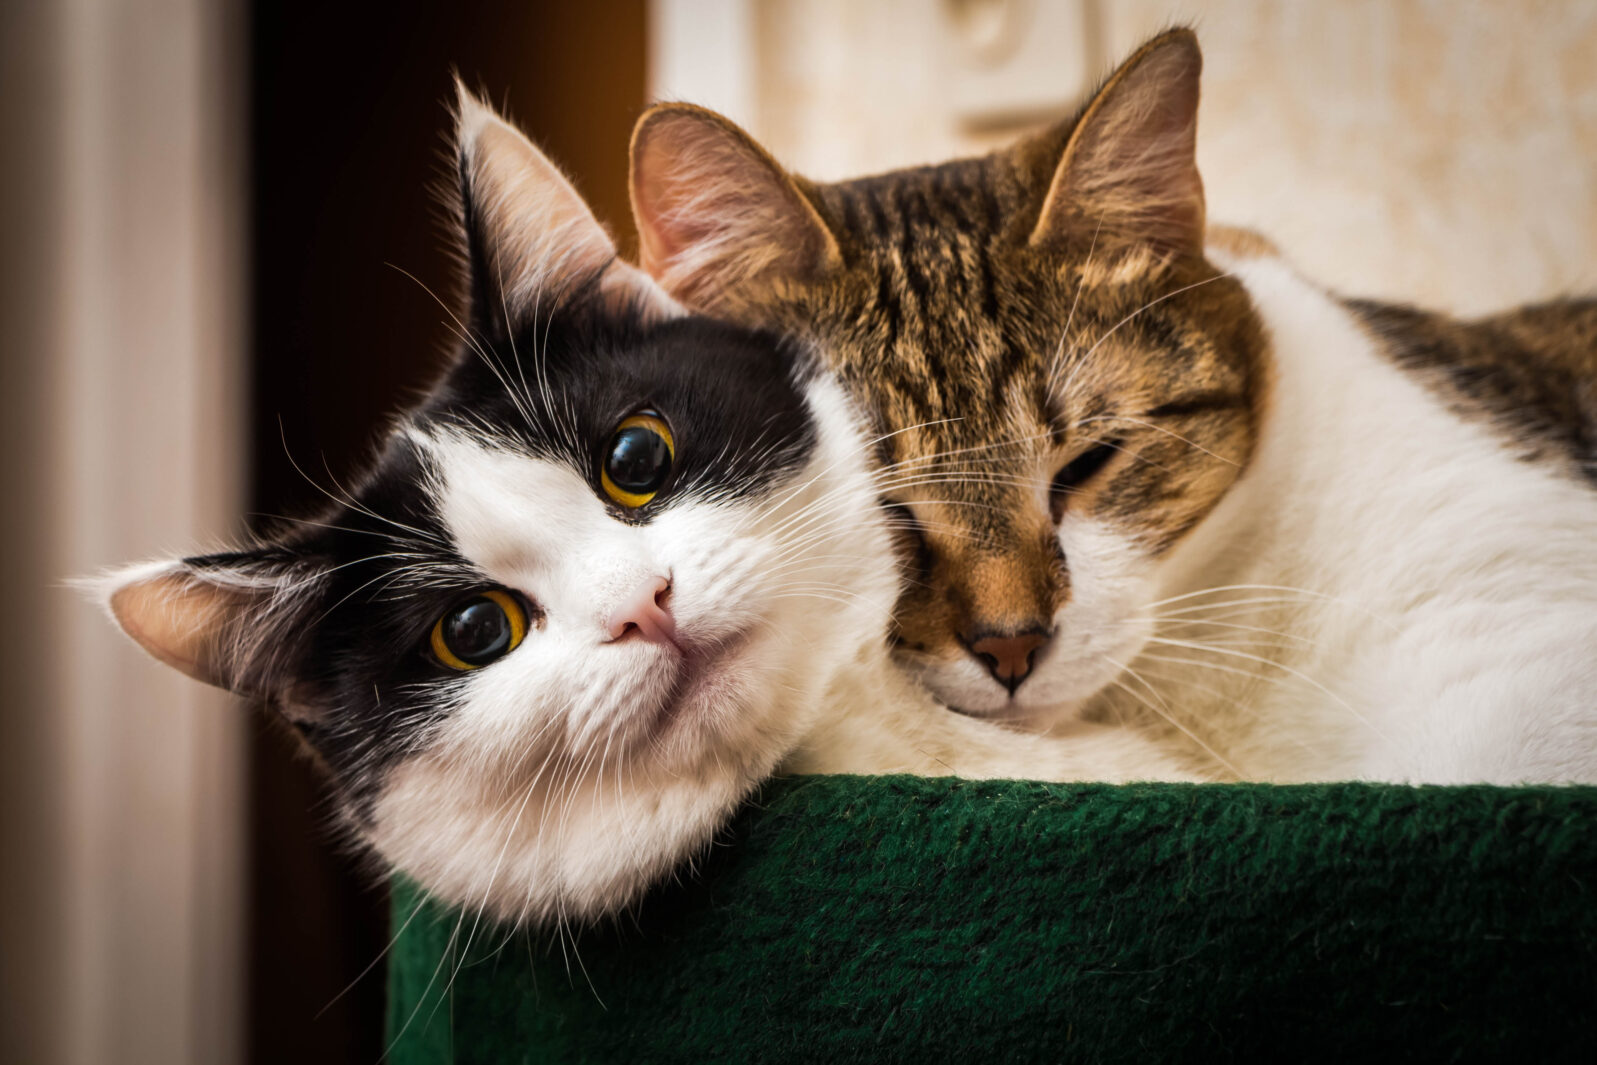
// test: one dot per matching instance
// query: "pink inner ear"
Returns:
(677, 234)
(714, 211)
(662, 237)
(1130, 170)
(167, 620)
(179, 620)
(676, 164)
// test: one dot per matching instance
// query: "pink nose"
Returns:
(1008, 658)
(646, 612)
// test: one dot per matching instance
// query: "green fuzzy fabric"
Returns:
(867, 919)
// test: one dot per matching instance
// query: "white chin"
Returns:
(961, 688)
(1049, 695)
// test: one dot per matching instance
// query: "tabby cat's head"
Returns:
(1063, 385)
(586, 597)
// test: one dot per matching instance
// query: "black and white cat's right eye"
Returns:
(1081, 469)
(637, 459)
(481, 630)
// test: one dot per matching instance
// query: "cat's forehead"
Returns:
(960, 201)
(946, 316)
(949, 320)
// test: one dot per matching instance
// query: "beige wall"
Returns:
(1442, 152)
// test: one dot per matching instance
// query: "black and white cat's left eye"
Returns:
(478, 631)
(637, 459)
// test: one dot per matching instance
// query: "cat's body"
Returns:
(620, 565)
(1151, 476)
(1451, 550)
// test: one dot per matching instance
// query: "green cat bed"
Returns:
(854, 919)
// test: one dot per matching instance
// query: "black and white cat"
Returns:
(620, 566)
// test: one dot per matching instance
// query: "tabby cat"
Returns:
(618, 567)
(1148, 471)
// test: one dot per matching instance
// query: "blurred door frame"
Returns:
(123, 293)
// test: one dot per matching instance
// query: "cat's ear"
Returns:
(718, 217)
(530, 238)
(233, 620)
(1129, 172)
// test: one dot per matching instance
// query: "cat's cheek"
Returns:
(729, 713)
(500, 714)
(1101, 627)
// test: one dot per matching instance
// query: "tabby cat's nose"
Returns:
(1008, 657)
(646, 612)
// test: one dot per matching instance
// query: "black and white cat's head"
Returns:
(588, 595)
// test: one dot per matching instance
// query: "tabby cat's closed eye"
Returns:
(1081, 469)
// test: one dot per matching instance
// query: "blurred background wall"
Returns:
(1428, 150)
(204, 206)
(122, 301)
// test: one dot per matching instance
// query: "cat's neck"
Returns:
(1348, 523)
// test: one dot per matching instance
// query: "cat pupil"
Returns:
(477, 632)
(639, 459)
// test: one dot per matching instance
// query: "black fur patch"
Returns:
(731, 397)
(1531, 371)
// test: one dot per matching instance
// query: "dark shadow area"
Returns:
(349, 122)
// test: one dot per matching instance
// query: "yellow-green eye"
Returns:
(480, 630)
(637, 459)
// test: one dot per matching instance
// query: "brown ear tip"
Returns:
(663, 114)
(648, 129)
(1181, 41)
(686, 119)
(680, 108)
(1172, 58)
(668, 131)
(645, 126)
